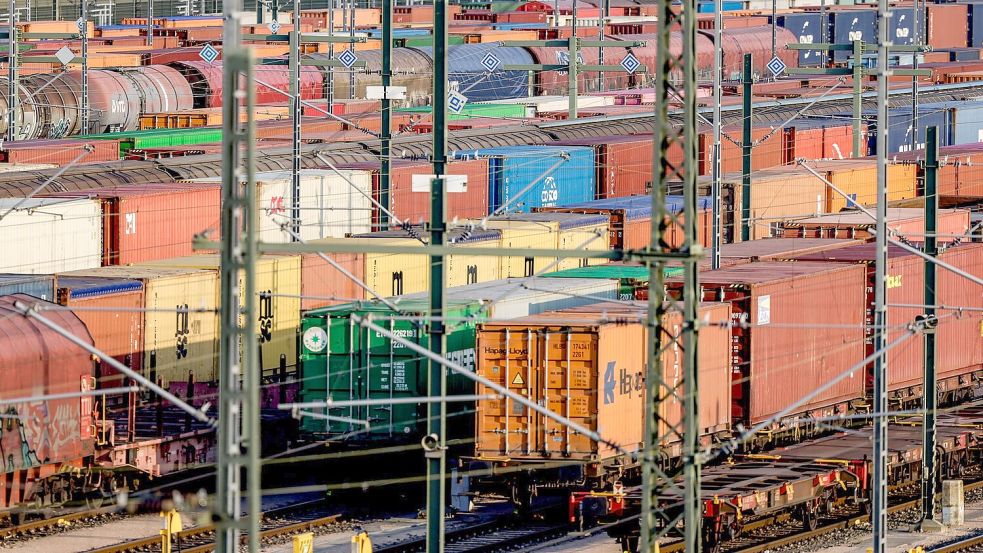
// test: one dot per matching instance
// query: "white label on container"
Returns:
(764, 310)
(130, 226)
(315, 339)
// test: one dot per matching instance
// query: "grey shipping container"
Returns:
(902, 29)
(847, 26)
(39, 286)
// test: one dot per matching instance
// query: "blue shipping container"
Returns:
(849, 25)
(975, 26)
(807, 27)
(963, 121)
(477, 69)
(90, 287)
(523, 177)
(900, 128)
(39, 286)
(726, 6)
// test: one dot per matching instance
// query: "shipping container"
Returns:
(321, 284)
(154, 221)
(945, 23)
(521, 235)
(343, 360)
(857, 178)
(38, 286)
(960, 333)
(180, 324)
(574, 232)
(781, 194)
(523, 177)
(624, 163)
(974, 25)
(112, 310)
(630, 277)
(905, 222)
(332, 204)
(59, 152)
(848, 25)
(805, 327)
(48, 235)
(278, 304)
(582, 371)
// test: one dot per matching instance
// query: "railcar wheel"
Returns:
(808, 518)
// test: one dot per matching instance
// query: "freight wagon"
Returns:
(575, 363)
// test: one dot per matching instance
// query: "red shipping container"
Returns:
(802, 142)
(414, 207)
(116, 323)
(769, 153)
(838, 141)
(624, 163)
(906, 286)
(906, 221)
(805, 328)
(960, 334)
(946, 25)
(153, 221)
(58, 151)
(322, 285)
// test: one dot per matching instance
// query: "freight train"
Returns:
(50, 105)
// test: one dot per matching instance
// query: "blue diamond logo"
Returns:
(275, 27)
(208, 53)
(456, 101)
(348, 58)
(491, 62)
(776, 66)
(630, 63)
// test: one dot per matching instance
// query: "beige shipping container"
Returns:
(523, 235)
(176, 342)
(779, 195)
(48, 235)
(278, 288)
(465, 269)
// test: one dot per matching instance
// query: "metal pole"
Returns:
(86, 124)
(774, 14)
(747, 143)
(822, 32)
(718, 62)
(931, 386)
(385, 178)
(331, 72)
(572, 76)
(437, 412)
(351, 45)
(605, 15)
(858, 78)
(150, 21)
(239, 377)
(916, 40)
(274, 10)
(296, 114)
(13, 105)
(656, 521)
(259, 12)
(879, 483)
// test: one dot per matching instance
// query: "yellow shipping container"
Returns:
(523, 235)
(470, 269)
(278, 287)
(583, 232)
(780, 194)
(858, 179)
(176, 343)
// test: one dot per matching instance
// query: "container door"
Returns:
(503, 427)
(565, 385)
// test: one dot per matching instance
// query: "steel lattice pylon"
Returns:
(675, 82)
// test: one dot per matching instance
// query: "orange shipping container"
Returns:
(322, 285)
(581, 370)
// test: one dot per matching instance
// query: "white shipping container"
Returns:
(557, 103)
(519, 297)
(330, 207)
(48, 235)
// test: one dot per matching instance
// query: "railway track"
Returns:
(52, 524)
(500, 534)
(277, 523)
(972, 543)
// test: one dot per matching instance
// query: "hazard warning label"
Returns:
(517, 380)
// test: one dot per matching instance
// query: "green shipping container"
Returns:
(344, 361)
(424, 41)
(630, 276)
(160, 138)
(477, 110)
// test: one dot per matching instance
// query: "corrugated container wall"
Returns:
(847, 26)
(523, 177)
(944, 25)
(775, 362)
(112, 311)
(322, 285)
(975, 25)
(44, 236)
(961, 335)
(180, 328)
(624, 163)
(278, 288)
(38, 286)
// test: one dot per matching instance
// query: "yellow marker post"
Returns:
(361, 542)
(304, 543)
(172, 527)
